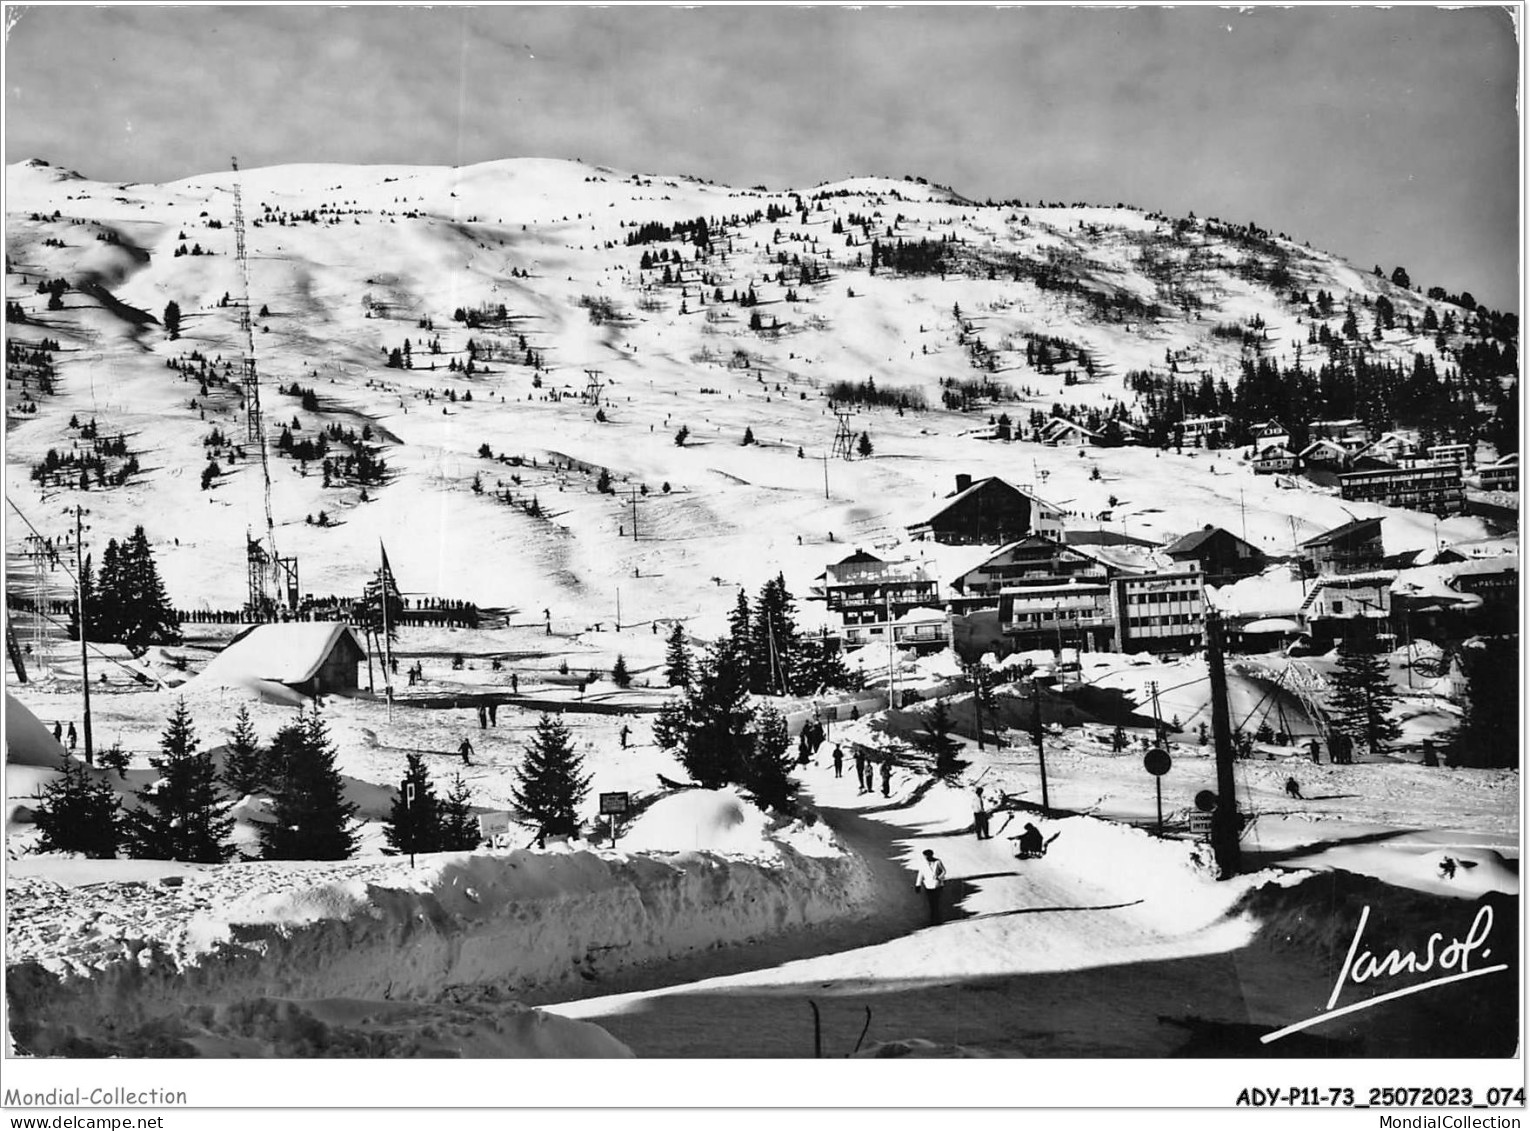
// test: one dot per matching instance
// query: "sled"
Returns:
(1037, 854)
(670, 783)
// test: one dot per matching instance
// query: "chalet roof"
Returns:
(1192, 541)
(1276, 451)
(864, 569)
(1510, 460)
(1334, 445)
(288, 653)
(941, 506)
(1339, 533)
(1060, 424)
(1379, 581)
(1104, 538)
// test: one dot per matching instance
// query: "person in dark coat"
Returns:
(1294, 789)
(73, 738)
(58, 732)
(483, 717)
(860, 771)
(886, 777)
(839, 762)
(1030, 842)
(466, 750)
(624, 734)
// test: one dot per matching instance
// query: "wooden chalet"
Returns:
(987, 511)
(1221, 556)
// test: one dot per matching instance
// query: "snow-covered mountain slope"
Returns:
(348, 264)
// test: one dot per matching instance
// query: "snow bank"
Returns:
(703, 819)
(27, 741)
(110, 962)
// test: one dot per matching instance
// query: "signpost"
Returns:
(615, 805)
(493, 826)
(409, 804)
(1157, 762)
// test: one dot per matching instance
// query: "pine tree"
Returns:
(459, 828)
(183, 815)
(550, 783)
(773, 646)
(863, 446)
(1362, 697)
(718, 718)
(740, 635)
(244, 764)
(173, 319)
(88, 599)
(619, 673)
(79, 813)
(311, 819)
(937, 740)
(414, 826)
(768, 764)
(677, 659)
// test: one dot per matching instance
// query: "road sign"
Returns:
(1157, 762)
(615, 804)
(1200, 825)
(491, 825)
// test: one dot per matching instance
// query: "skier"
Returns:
(73, 738)
(1294, 789)
(979, 814)
(887, 777)
(929, 879)
(623, 734)
(58, 732)
(466, 750)
(860, 771)
(839, 762)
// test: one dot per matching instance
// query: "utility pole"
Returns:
(1225, 821)
(1039, 732)
(826, 476)
(79, 596)
(634, 513)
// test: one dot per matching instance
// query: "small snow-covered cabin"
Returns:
(309, 658)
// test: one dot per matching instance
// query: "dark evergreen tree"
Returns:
(550, 782)
(311, 818)
(863, 446)
(183, 815)
(414, 825)
(936, 739)
(87, 597)
(718, 719)
(79, 812)
(244, 766)
(1489, 732)
(459, 827)
(619, 673)
(767, 766)
(1362, 696)
(740, 633)
(677, 659)
(173, 319)
(773, 647)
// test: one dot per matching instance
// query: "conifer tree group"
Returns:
(183, 815)
(126, 601)
(1362, 697)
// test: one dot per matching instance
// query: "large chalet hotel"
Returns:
(990, 568)
(995, 572)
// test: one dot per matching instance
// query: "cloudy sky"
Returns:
(1388, 136)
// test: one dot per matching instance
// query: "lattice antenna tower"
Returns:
(844, 435)
(272, 578)
(592, 390)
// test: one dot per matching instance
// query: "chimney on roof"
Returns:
(963, 481)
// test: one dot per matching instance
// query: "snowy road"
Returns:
(1035, 958)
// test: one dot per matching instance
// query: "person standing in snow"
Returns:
(73, 738)
(860, 771)
(624, 733)
(58, 732)
(930, 878)
(979, 814)
(483, 717)
(466, 750)
(887, 776)
(839, 761)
